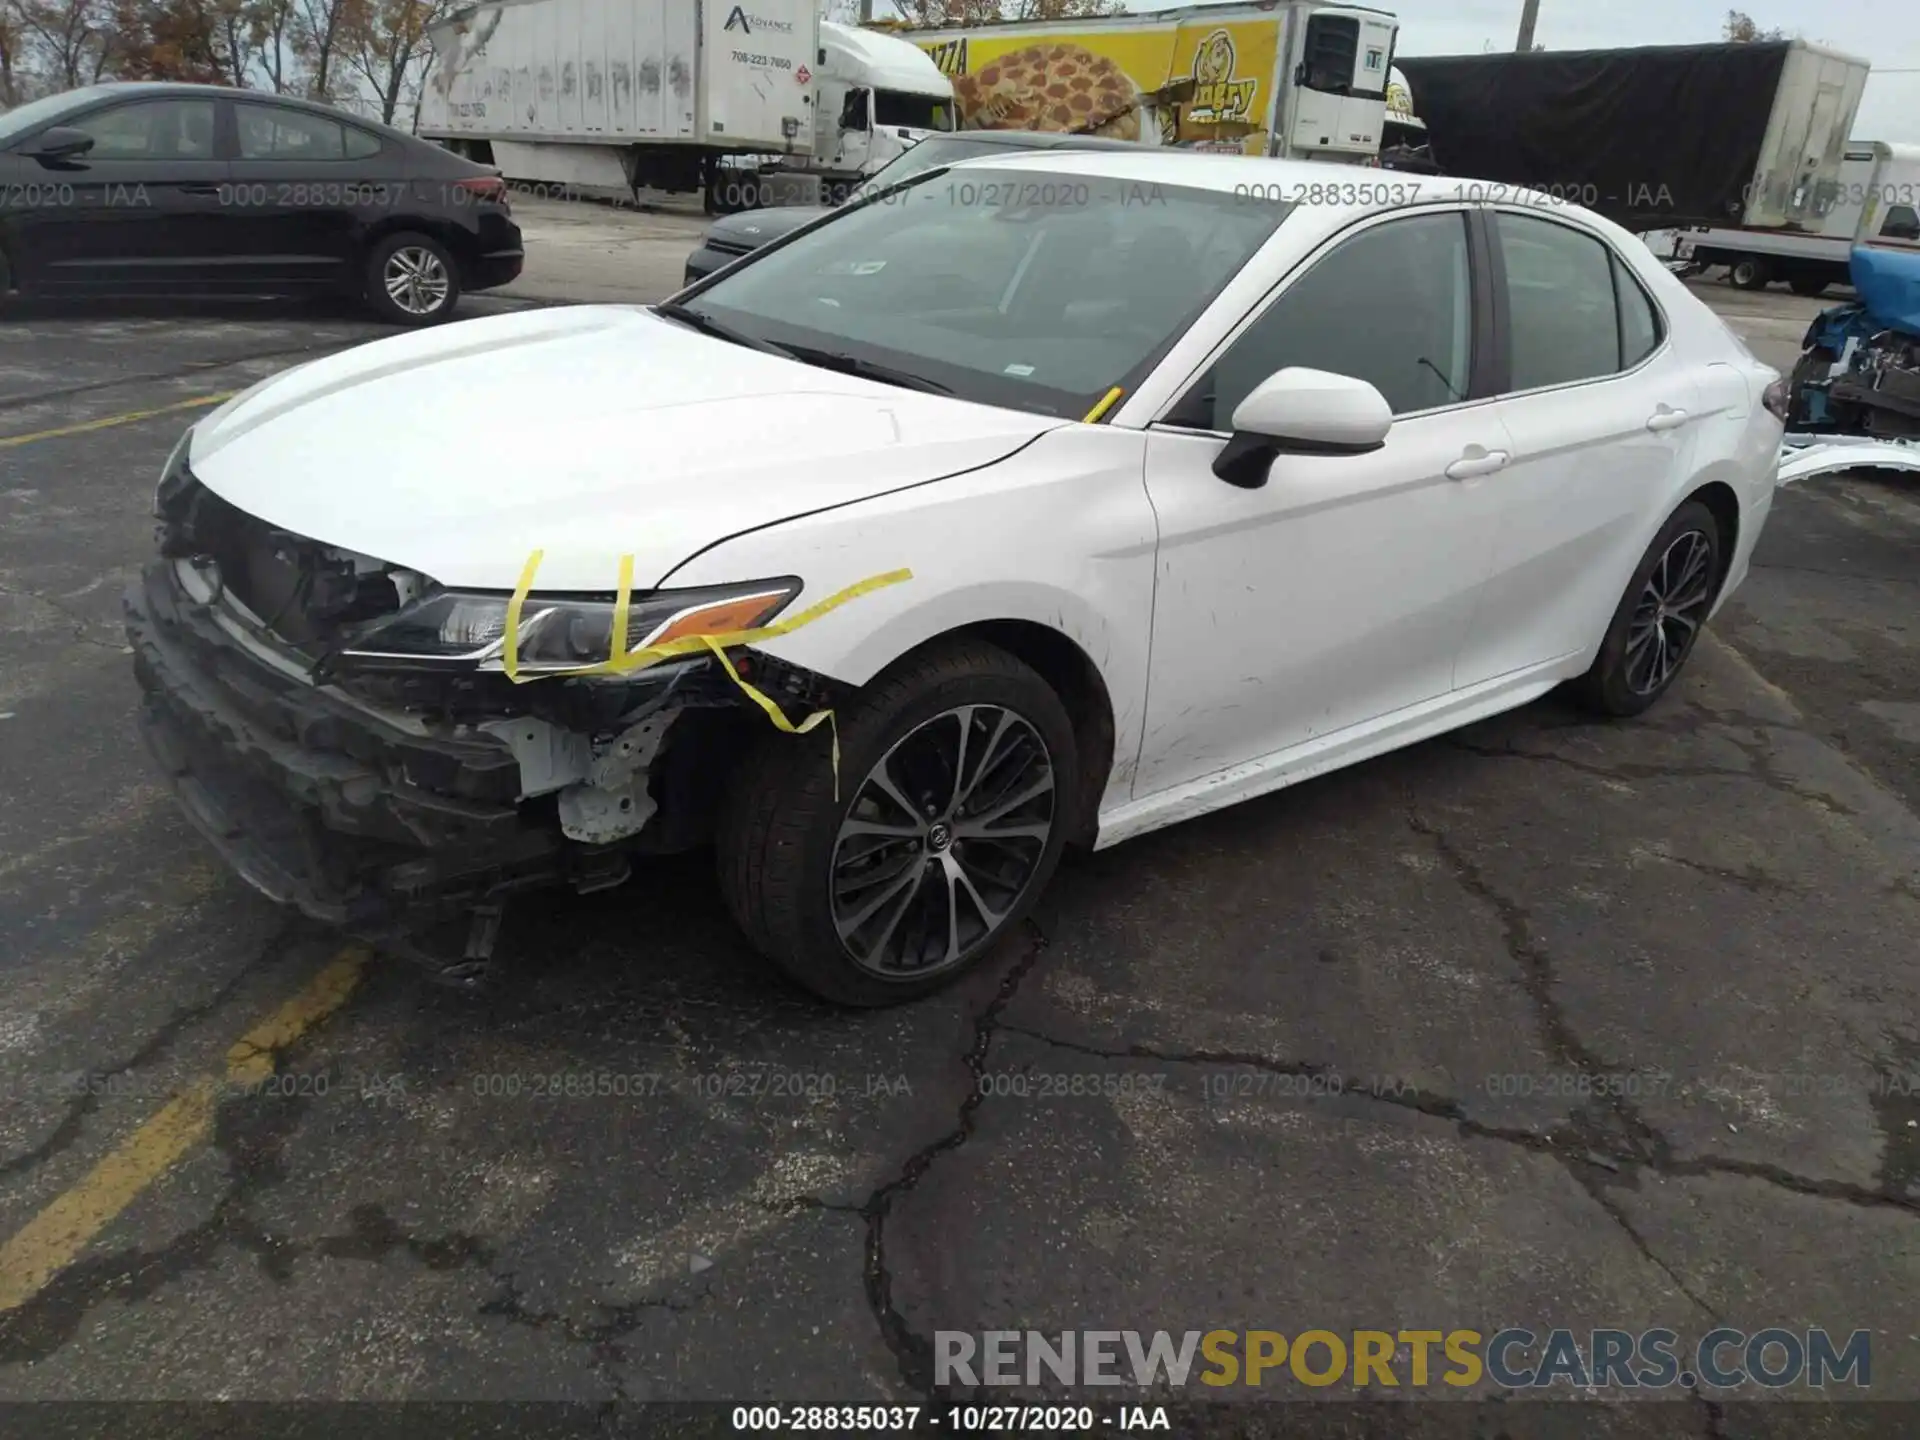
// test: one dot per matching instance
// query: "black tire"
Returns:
(439, 278)
(779, 833)
(1750, 273)
(1809, 285)
(1618, 683)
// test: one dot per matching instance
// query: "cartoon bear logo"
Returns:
(1213, 59)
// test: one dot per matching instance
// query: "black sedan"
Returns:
(727, 240)
(163, 190)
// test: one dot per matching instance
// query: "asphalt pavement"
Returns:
(1549, 1023)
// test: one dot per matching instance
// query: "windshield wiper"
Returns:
(707, 325)
(866, 369)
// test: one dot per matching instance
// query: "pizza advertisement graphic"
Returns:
(1155, 84)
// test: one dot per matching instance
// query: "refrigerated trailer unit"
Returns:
(674, 95)
(1657, 137)
(1293, 79)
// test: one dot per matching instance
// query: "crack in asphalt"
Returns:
(1604, 1144)
(602, 1338)
(197, 367)
(250, 1136)
(81, 624)
(914, 1353)
(72, 1124)
(1761, 771)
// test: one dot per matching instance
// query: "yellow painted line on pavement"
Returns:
(55, 1237)
(8, 442)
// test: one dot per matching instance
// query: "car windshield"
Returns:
(1032, 289)
(23, 119)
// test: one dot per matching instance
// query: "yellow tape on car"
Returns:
(620, 660)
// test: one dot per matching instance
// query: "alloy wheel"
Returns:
(1669, 612)
(416, 280)
(942, 839)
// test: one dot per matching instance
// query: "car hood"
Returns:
(754, 228)
(587, 432)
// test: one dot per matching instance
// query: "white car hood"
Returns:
(587, 432)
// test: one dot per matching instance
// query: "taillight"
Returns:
(1775, 399)
(486, 187)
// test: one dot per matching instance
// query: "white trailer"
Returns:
(1876, 197)
(675, 95)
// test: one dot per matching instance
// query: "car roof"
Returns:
(1039, 140)
(1313, 181)
(162, 89)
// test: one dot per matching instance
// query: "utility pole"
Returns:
(866, 12)
(1529, 13)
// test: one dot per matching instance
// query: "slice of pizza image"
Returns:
(1054, 87)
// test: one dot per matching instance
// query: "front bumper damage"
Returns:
(387, 819)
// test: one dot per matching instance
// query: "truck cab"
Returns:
(877, 96)
(1336, 62)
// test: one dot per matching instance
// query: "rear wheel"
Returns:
(957, 781)
(1659, 618)
(412, 279)
(1750, 272)
(1808, 285)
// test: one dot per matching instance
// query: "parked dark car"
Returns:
(727, 240)
(148, 189)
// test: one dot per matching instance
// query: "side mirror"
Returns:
(853, 114)
(62, 142)
(1297, 411)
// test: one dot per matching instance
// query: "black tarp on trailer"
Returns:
(1650, 137)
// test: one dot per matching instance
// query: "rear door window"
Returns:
(1563, 312)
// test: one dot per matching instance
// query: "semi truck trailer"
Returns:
(676, 95)
(1656, 138)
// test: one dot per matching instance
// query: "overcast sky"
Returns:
(1886, 32)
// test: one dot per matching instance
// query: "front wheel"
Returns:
(412, 279)
(958, 775)
(1750, 273)
(1659, 618)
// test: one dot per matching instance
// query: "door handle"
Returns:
(1477, 462)
(1667, 418)
(199, 189)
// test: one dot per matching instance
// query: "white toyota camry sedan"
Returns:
(1043, 500)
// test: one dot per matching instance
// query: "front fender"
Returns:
(1060, 535)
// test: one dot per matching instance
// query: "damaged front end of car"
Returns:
(344, 731)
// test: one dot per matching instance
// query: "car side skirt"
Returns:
(1334, 752)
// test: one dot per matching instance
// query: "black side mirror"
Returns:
(853, 114)
(62, 142)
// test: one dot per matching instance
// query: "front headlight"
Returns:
(465, 631)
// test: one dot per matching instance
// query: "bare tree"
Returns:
(922, 13)
(274, 60)
(12, 55)
(1741, 29)
(384, 43)
(72, 41)
(316, 33)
